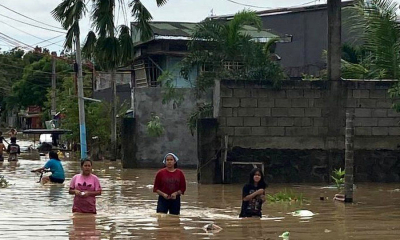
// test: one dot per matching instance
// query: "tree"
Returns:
(69, 13)
(376, 23)
(109, 51)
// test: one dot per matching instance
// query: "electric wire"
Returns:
(44, 40)
(253, 6)
(31, 24)
(1, 5)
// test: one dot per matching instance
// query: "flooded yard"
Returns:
(126, 209)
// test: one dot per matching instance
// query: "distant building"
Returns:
(308, 27)
(31, 118)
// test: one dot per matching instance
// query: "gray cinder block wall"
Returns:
(293, 125)
(177, 137)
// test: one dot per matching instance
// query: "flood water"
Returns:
(126, 209)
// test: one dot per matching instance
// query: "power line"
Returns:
(14, 41)
(248, 5)
(49, 39)
(31, 24)
(1, 5)
(30, 34)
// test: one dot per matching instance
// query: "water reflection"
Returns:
(84, 227)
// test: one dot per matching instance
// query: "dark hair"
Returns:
(262, 183)
(13, 140)
(53, 155)
(86, 160)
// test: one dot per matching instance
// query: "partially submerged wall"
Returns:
(303, 123)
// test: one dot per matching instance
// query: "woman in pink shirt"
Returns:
(170, 184)
(85, 187)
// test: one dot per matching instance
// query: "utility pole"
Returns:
(81, 103)
(113, 116)
(53, 84)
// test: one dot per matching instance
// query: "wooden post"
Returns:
(349, 157)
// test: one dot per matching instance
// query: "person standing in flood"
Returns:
(253, 195)
(169, 184)
(85, 186)
(2, 149)
(13, 150)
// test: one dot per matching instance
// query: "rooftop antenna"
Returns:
(212, 12)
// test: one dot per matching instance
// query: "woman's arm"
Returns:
(162, 194)
(38, 170)
(74, 191)
(253, 195)
(91, 193)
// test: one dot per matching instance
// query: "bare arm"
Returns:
(253, 195)
(162, 194)
(38, 170)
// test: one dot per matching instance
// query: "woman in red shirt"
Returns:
(169, 184)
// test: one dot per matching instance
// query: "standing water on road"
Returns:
(126, 209)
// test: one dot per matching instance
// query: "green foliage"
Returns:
(338, 177)
(154, 127)
(226, 52)
(36, 79)
(376, 22)
(169, 91)
(309, 77)
(203, 111)
(285, 196)
(97, 120)
(3, 182)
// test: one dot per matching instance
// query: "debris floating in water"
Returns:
(285, 235)
(3, 182)
(303, 213)
(212, 228)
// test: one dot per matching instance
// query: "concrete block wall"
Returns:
(297, 115)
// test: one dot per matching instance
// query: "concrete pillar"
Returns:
(334, 39)
(128, 143)
(208, 167)
(349, 157)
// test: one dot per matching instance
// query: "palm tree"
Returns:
(143, 17)
(376, 22)
(224, 50)
(108, 50)
(69, 12)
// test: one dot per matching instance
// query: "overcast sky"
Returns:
(174, 10)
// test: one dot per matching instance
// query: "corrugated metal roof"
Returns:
(184, 29)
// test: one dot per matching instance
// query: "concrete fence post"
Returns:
(349, 157)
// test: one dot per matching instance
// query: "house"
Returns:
(31, 117)
(164, 51)
(308, 27)
(168, 46)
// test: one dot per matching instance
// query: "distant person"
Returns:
(13, 150)
(2, 149)
(13, 133)
(253, 195)
(169, 184)
(2, 138)
(85, 187)
(56, 169)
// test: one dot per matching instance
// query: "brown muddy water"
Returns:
(126, 209)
